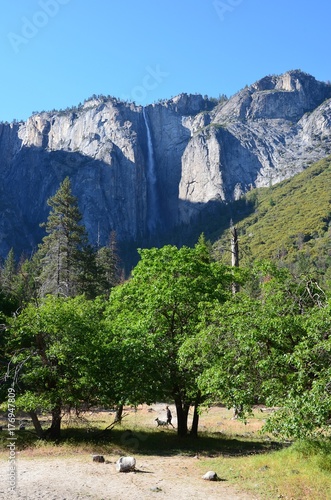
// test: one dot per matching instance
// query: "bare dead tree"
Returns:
(234, 254)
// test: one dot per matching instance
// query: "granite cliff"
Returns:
(143, 171)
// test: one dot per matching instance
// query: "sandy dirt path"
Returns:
(80, 478)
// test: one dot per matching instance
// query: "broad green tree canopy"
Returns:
(152, 315)
(56, 355)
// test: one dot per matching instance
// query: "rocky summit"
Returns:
(143, 171)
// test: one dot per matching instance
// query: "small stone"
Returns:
(155, 489)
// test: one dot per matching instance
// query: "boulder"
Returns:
(210, 476)
(125, 464)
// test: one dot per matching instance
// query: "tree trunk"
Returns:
(118, 414)
(237, 410)
(195, 422)
(182, 410)
(37, 424)
(54, 432)
(235, 255)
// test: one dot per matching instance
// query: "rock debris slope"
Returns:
(142, 171)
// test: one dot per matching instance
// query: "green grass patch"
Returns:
(294, 472)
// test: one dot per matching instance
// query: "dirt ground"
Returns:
(80, 478)
(75, 476)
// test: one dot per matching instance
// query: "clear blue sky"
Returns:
(56, 53)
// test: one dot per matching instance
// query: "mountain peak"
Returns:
(290, 81)
(288, 96)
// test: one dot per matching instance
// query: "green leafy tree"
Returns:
(306, 408)
(56, 358)
(227, 350)
(60, 252)
(151, 316)
(272, 348)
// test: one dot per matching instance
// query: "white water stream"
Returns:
(152, 198)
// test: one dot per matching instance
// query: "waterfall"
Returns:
(152, 198)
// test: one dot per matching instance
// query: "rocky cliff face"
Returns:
(141, 172)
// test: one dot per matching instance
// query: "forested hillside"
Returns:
(288, 223)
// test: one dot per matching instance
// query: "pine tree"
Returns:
(8, 273)
(108, 265)
(61, 250)
(88, 280)
(26, 283)
(8, 298)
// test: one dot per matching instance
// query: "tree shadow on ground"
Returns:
(154, 442)
(167, 443)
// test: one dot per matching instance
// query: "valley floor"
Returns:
(78, 478)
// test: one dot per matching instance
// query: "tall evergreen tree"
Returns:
(8, 297)
(26, 283)
(108, 266)
(8, 272)
(88, 279)
(60, 250)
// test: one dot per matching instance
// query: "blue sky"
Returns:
(56, 53)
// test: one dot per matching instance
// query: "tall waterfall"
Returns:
(152, 198)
